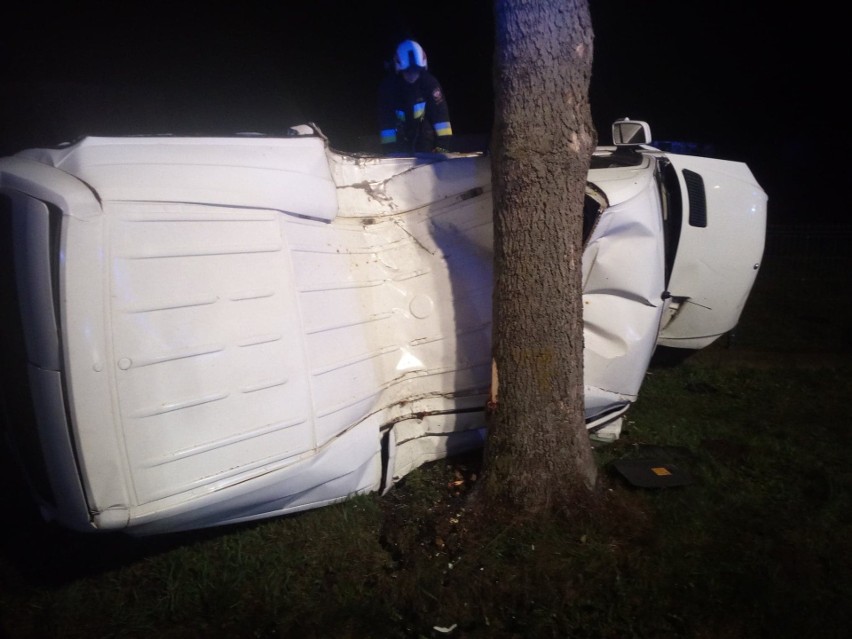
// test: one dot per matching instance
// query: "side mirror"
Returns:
(627, 132)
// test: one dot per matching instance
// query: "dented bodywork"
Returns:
(217, 330)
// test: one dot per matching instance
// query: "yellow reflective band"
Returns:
(388, 135)
(443, 128)
(419, 110)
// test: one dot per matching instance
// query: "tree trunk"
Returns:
(538, 455)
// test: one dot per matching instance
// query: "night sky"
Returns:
(747, 78)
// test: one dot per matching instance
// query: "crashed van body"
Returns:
(214, 330)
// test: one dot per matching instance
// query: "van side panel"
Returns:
(208, 362)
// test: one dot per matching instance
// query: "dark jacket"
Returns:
(413, 117)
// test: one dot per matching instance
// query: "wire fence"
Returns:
(811, 251)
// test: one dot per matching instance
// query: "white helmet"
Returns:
(409, 54)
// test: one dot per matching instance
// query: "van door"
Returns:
(720, 248)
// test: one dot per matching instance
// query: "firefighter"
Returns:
(413, 112)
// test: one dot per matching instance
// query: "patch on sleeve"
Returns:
(437, 95)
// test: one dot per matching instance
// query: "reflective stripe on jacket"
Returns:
(413, 117)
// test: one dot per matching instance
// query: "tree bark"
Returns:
(538, 455)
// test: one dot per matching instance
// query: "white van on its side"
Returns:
(214, 330)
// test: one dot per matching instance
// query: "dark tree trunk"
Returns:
(538, 454)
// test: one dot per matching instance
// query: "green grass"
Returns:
(758, 545)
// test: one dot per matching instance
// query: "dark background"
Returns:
(746, 81)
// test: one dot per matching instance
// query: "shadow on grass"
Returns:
(45, 554)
